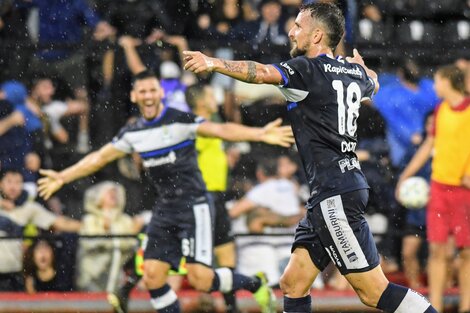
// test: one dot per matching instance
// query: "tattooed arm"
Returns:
(247, 71)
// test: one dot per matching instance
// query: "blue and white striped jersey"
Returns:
(166, 145)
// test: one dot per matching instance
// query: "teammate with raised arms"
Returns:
(182, 220)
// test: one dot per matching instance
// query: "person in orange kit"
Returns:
(449, 207)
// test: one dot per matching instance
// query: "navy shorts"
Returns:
(336, 230)
(223, 225)
(181, 228)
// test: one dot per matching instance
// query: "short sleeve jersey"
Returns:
(166, 146)
(324, 96)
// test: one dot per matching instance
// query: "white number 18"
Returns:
(347, 120)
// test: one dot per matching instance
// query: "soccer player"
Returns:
(448, 211)
(324, 95)
(212, 162)
(181, 223)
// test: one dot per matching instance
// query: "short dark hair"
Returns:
(410, 70)
(143, 75)
(193, 93)
(455, 75)
(6, 171)
(268, 167)
(331, 17)
(36, 79)
(262, 3)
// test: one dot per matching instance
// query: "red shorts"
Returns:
(448, 213)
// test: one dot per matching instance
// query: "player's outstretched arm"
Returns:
(272, 133)
(91, 163)
(357, 58)
(247, 71)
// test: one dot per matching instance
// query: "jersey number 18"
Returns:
(347, 117)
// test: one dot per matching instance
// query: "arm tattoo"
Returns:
(251, 75)
(238, 67)
(234, 67)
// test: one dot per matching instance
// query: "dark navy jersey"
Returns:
(166, 146)
(324, 95)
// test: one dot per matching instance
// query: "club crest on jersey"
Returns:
(166, 135)
(342, 70)
(289, 69)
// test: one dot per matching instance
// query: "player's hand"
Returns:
(198, 62)
(275, 134)
(49, 184)
(397, 189)
(356, 58)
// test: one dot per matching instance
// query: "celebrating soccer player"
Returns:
(182, 219)
(324, 95)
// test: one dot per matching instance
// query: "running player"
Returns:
(181, 223)
(214, 169)
(324, 95)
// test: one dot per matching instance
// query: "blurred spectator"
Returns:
(12, 22)
(12, 136)
(218, 22)
(288, 168)
(101, 260)
(415, 228)
(17, 207)
(16, 93)
(404, 106)
(10, 278)
(268, 32)
(54, 114)
(373, 153)
(134, 17)
(371, 27)
(40, 268)
(372, 12)
(60, 37)
(272, 206)
(15, 47)
(448, 211)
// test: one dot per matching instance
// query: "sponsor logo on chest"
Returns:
(168, 159)
(342, 70)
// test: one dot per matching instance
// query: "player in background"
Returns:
(212, 162)
(182, 219)
(448, 210)
(324, 95)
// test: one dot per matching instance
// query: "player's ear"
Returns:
(317, 35)
(161, 92)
